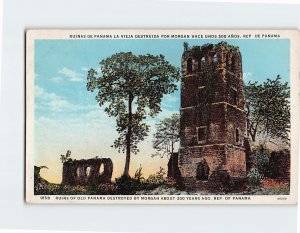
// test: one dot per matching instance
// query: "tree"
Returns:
(167, 134)
(268, 109)
(262, 156)
(132, 87)
(66, 157)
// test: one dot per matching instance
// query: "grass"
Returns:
(271, 187)
(161, 187)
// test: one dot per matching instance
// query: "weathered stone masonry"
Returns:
(87, 172)
(212, 117)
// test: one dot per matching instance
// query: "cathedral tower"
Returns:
(212, 116)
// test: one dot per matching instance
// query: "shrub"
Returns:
(158, 178)
(66, 158)
(262, 155)
(130, 185)
(127, 185)
(254, 177)
(138, 175)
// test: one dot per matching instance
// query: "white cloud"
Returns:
(71, 74)
(75, 131)
(56, 79)
(54, 102)
(85, 69)
(99, 116)
(247, 76)
(95, 114)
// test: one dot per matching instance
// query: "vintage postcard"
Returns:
(162, 116)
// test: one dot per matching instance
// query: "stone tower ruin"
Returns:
(212, 116)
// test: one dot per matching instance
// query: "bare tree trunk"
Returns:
(252, 137)
(253, 134)
(128, 136)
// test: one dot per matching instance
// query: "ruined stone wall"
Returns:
(189, 158)
(188, 127)
(218, 157)
(235, 161)
(87, 172)
(189, 89)
(235, 120)
(234, 83)
(192, 117)
(217, 125)
(223, 120)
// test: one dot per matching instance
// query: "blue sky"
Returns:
(67, 115)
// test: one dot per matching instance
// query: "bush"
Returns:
(127, 185)
(254, 177)
(157, 179)
(262, 155)
(130, 185)
(66, 158)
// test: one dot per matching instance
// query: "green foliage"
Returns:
(131, 185)
(231, 47)
(132, 87)
(158, 178)
(66, 157)
(281, 190)
(262, 156)
(268, 109)
(127, 186)
(197, 48)
(254, 177)
(138, 175)
(167, 134)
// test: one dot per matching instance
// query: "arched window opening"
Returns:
(88, 171)
(202, 170)
(199, 64)
(101, 169)
(237, 135)
(234, 96)
(203, 60)
(215, 58)
(78, 172)
(190, 65)
(201, 134)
